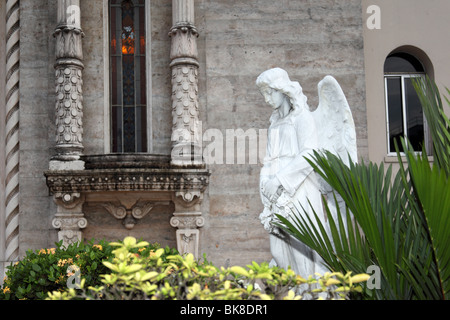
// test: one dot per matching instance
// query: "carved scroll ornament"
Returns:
(130, 216)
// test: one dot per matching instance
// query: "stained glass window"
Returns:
(128, 76)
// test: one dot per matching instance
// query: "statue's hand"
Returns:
(270, 189)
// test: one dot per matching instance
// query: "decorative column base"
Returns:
(69, 218)
(57, 165)
(188, 219)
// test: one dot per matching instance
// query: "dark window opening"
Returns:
(404, 112)
(128, 76)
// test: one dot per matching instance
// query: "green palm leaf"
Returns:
(401, 220)
(432, 188)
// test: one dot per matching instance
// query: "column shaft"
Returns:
(12, 148)
(69, 82)
(186, 131)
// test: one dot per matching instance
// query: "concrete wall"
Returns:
(419, 27)
(238, 40)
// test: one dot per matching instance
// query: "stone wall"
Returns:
(238, 40)
(37, 125)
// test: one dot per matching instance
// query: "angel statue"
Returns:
(288, 183)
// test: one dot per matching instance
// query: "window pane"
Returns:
(402, 63)
(113, 27)
(142, 30)
(140, 127)
(129, 127)
(143, 82)
(414, 116)
(128, 76)
(395, 111)
(128, 79)
(117, 130)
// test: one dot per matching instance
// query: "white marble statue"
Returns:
(287, 180)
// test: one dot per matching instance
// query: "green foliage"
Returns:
(400, 222)
(179, 277)
(46, 270)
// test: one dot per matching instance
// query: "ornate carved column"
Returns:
(186, 131)
(69, 218)
(69, 82)
(188, 219)
(12, 130)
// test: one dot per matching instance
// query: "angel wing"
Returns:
(334, 121)
(336, 131)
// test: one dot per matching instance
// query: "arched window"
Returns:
(128, 93)
(405, 116)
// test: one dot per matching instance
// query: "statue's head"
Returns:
(278, 79)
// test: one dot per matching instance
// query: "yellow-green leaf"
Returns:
(132, 268)
(129, 241)
(332, 281)
(111, 266)
(149, 275)
(240, 270)
(360, 278)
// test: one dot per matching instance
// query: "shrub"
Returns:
(168, 277)
(54, 269)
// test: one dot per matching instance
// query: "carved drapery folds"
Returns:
(69, 82)
(186, 130)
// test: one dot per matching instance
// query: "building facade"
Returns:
(142, 117)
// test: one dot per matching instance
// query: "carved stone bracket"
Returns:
(188, 219)
(69, 217)
(131, 175)
(129, 215)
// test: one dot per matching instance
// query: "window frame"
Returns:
(403, 76)
(108, 130)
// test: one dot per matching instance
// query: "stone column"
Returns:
(12, 148)
(69, 218)
(69, 82)
(186, 131)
